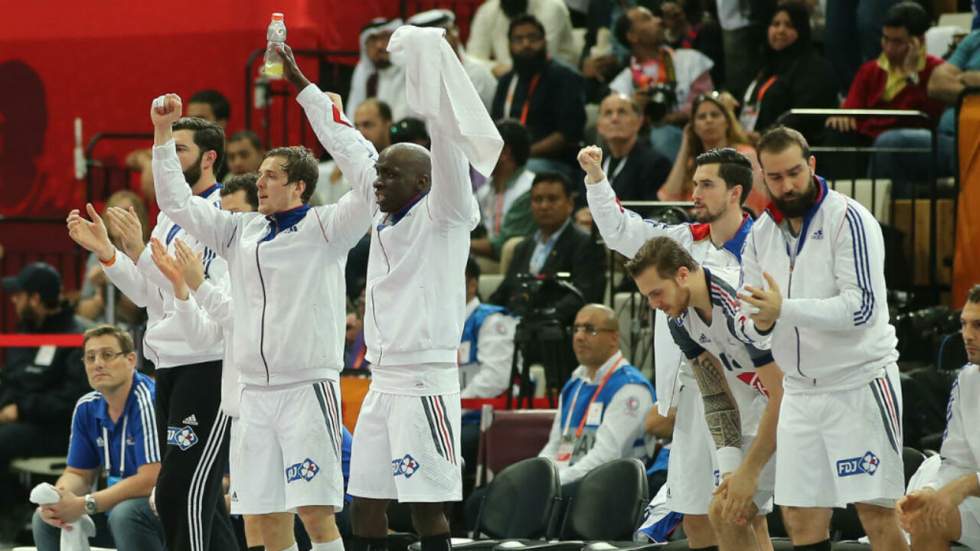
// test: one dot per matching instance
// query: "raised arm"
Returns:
(215, 228)
(451, 197)
(354, 154)
(623, 230)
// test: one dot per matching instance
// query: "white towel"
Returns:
(438, 89)
(75, 539)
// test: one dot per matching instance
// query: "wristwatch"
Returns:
(90, 506)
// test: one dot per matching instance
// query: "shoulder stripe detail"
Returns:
(862, 266)
(151, 445)
(88, 397)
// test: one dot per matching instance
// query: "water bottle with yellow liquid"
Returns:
(276, 34)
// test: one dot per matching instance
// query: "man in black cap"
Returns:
(38, 385)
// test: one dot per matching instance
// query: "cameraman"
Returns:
(663, 80)
(557, 246)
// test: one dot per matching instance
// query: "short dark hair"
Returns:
(973, 295)
(247, 135)
(734, 168)
(300, 165)
(218, 102)
(517, 138)
(780, 138)
(472, 268)
(554, 177)
(664, 254)
(410, 130)
(243, 182)
(208, 136)
(909, 15)
(384, 110)
(526, 19)
(622, 28)
(122, 336)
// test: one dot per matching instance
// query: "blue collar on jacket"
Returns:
(779, 218)
(282, 221)
(737, 242)
(394, 217)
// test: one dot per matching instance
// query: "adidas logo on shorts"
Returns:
(190, 420)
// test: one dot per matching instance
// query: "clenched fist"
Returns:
(590, 159)
(165, 110)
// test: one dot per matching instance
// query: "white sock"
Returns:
(293, 547)
(335, 545)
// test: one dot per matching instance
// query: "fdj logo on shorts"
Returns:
(182, 437)
(302, 471)
(866, 464)
(406, 466)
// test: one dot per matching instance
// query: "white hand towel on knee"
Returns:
(75, 539)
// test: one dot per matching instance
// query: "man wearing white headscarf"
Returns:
(375, 76)
(477, 70)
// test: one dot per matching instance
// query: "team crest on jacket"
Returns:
(406, 466)
(302, 471)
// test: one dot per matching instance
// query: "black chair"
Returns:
(519, 503)
(607, 507)
(912, 459)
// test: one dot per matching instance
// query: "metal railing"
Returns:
(907, 119)
(101, 179)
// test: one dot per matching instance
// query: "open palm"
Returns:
(90, 234)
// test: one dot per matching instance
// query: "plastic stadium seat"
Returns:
(520, 502)
(488, 284)
(509, 437)
(607, 507)
(911, 458)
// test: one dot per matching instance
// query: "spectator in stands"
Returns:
(373, 119)
(636, 170)
(478, 70)
(685, 26)
(487, 346)
(793, 74)
(505, 199)
(113, 430)
(411, 130)
(743, 33)
(354, 347)
(490, 31)
(664, 81)
(947, 82)
(652, 62)
(897, 79)
(602, 56)
(948, 509)
(556, 246)
(38, 385)
(210, 105)
(375, 76)
(245, 152)
(545, 95)
(853, 28)
(92, 301)
(603, 405)
(241, 193)
(714, 126)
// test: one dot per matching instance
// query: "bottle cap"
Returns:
(276, 16)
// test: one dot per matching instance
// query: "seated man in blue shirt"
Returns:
(602, 406)
(113, 430)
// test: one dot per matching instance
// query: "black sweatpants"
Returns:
(192, 432)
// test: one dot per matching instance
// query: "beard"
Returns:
(193, 174)
(513, 8)
(705, 216)
(796, 205)
(529, 64)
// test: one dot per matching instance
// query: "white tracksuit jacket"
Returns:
(164, 343)
(833, 331)
(287, 276)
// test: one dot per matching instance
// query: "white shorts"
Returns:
(407, 448)
(841, 447)
(289, 449)
(693, 476)
(970, 523)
